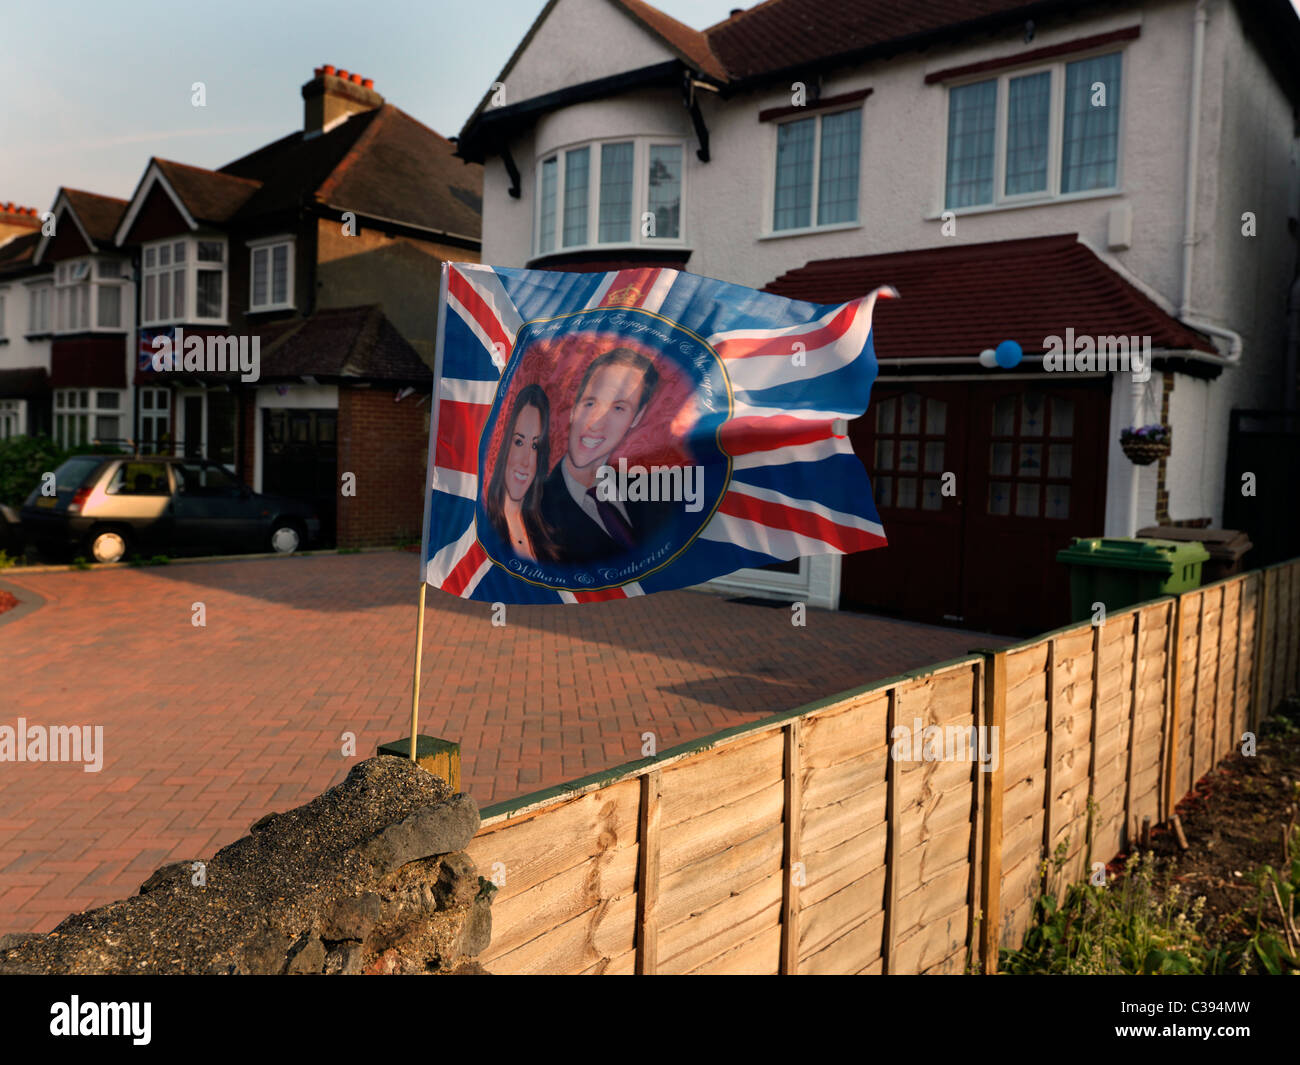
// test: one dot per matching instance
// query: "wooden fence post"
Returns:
(793, 825)
(1175, 680)
(1092, 738)
(1050, 769)
(891, 840)
(1196, 691)
(1132, 726)
(1258, 686)
(995, 703)
(647, 895)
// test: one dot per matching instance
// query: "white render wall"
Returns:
(1248, 150)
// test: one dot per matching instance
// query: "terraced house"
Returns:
(320, 252)
(1018, 170)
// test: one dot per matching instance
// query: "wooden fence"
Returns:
(798, 845)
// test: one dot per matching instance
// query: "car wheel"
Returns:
(285, 538)
(108, 545)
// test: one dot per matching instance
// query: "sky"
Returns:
(97, 88)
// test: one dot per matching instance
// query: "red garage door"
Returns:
(978, 486)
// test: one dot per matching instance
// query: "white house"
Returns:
(1032, 170)
(26, 291)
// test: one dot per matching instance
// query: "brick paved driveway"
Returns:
(206, 729)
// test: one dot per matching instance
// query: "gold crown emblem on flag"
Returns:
(630, 294)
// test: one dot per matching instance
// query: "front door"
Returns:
(979, 484)
(300, 461)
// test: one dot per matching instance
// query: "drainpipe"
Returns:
(1189, 196)
(1292, 341)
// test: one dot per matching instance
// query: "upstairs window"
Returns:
(1035, 134)
(184, 281)
(625, 192)
(270, 274)
(817, 160)
(88, 295)
(38, 308)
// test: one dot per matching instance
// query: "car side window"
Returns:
(199, 479)
(139, 479)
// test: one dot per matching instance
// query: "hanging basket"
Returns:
(1144, 452)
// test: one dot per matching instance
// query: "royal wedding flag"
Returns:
(600, 436)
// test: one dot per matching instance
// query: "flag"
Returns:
(601, 436)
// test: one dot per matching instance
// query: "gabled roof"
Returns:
(957, 301)
(208, 195)
(17, 253)
(199, 195)
(345, 342)
(96, 218)
(691, 45)
(382, 163)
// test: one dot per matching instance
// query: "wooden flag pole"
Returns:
(415, 688)
(429, 470)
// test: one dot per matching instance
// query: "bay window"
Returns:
(87, 416)
(38, 308)
(1035, 134)
(626, 192)
(88, 295)
(184, 281)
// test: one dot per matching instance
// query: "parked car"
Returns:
(107, 507)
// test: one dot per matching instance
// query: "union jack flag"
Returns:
(788, 482)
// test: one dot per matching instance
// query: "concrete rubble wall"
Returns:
(369, 877)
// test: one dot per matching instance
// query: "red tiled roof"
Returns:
(781, 34)
(957, 301)
(98, 215)
(209, 195)
(691, 45)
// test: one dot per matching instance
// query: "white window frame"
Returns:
(13, 418)
(1055, 133)
(269, 244)
(191, 270)
(72, 278)
(40, 307)
(641, 145)
(159, 417)
(769, 210)
(83, 403)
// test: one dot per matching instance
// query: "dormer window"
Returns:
(624, 192)
(184, 281)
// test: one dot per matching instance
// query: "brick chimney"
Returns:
(331, 95)
(15, 220)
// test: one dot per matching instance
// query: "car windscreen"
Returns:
(76, 471)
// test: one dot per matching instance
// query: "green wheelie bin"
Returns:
(1122, 570)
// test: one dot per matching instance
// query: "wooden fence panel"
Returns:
(719, 835)
(567, 903)
(800, 844)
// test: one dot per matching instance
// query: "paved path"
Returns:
(206, 729)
